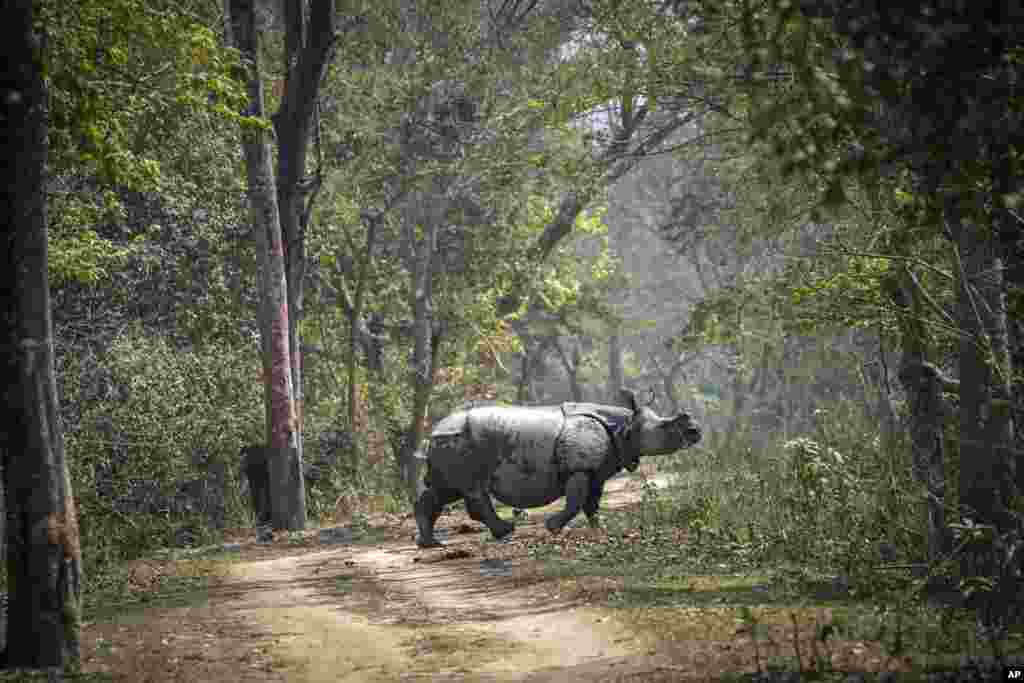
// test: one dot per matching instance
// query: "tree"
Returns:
(287, 495)
(309, 40)
(43, 554)
(920, 100)
(947, 76)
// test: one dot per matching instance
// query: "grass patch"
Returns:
(344, 583)
(672, 589)
(154, 583)
(455, 649)
(175, 592)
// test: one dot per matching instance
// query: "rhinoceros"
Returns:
(531, 456)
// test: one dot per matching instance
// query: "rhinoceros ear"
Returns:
(629, 398)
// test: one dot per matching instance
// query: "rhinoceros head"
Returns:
(647, 433)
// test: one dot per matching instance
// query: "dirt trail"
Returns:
(434, 616)
(472, 611)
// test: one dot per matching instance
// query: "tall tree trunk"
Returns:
(987, 461)
(308, 48)
(1011, 239)
(44, 561)
(1015, 330)
(421, 211)
(423, 346)
(287, 488)
(924, 384)
(372, 220)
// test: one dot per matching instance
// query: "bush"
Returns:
(833, 497)
(163, 431)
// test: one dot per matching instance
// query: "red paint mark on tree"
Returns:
(281, 408)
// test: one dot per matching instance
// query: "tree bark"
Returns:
(422, 211)
(987, 461)
(1011, 241)
(44, 561)
(669, 378)
(423, 345)
(287, 487)
(988, 483)
(571, 369)
(524, 387)
(616, 376)
(883, 410)
(306, 56)
(923, 383)
(372, 221)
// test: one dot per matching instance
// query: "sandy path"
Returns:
(533, 632)
(458, 619)
(315, 640)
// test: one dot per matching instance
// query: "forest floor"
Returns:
(379, 609)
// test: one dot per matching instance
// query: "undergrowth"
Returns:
(767, 540)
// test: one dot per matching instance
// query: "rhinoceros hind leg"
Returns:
(480, 508)
(576, 490)
(429, 505)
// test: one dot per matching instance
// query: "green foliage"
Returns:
(147, 411)
(575, 290)
(123, 75)
(83, 257)
(142, 99)
(810, 497)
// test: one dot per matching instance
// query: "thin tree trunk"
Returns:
(924, 384)
(287, 491)
(572, 370)
(423, 343)
(670, 384)
(308, 48)
(884, 409)
(44, 562)
(355, 319)
(616, 377)
(421, 211)
(523, 393)
(921, 381)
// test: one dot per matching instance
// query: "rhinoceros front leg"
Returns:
(480, 508)
(592, 501)
(429, 505)
(577, 489)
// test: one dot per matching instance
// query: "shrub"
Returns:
(166, 423)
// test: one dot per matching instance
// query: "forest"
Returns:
(314, 228)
